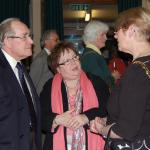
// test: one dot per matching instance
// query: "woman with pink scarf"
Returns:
(69, 101)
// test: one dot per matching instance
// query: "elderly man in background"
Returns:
(92, 60)
(39, 70)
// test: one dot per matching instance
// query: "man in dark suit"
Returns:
(39, 70)
(19, 107)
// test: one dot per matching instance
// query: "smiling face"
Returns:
(69, 65)
(20, 44)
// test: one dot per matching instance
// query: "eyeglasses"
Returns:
(24, 37)
(56, 40)
(68, 61)
(118, 29)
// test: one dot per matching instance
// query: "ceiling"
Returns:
(104, 10)
(92, 1)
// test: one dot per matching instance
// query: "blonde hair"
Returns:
(140, 17)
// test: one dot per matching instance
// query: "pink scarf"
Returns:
(95, 142)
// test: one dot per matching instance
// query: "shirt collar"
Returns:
(96, 49)
(10, 59)
(47, 51)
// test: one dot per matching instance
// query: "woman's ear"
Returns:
(132, 30)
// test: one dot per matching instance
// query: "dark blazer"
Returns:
(14, 112)
(102, 93)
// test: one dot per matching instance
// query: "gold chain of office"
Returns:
(143, 65)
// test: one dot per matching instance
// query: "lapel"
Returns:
(32, 88)
(8, 72)
(11, 83)
(44, 53)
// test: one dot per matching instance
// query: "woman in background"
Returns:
(129, 104)
(69, 101)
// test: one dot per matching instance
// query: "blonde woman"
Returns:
(129, 104)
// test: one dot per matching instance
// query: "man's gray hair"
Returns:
(92, 29)
(5, 28)
(46, 35)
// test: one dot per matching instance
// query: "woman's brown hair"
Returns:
(60, 48)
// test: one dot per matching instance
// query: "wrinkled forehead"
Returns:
(19, 27)
(53, 35)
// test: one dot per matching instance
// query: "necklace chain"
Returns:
(143, 65)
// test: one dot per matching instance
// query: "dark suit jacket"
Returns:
(14, 112)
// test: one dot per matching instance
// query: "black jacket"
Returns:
(102, 93)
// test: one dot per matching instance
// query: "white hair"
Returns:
(92, 29)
